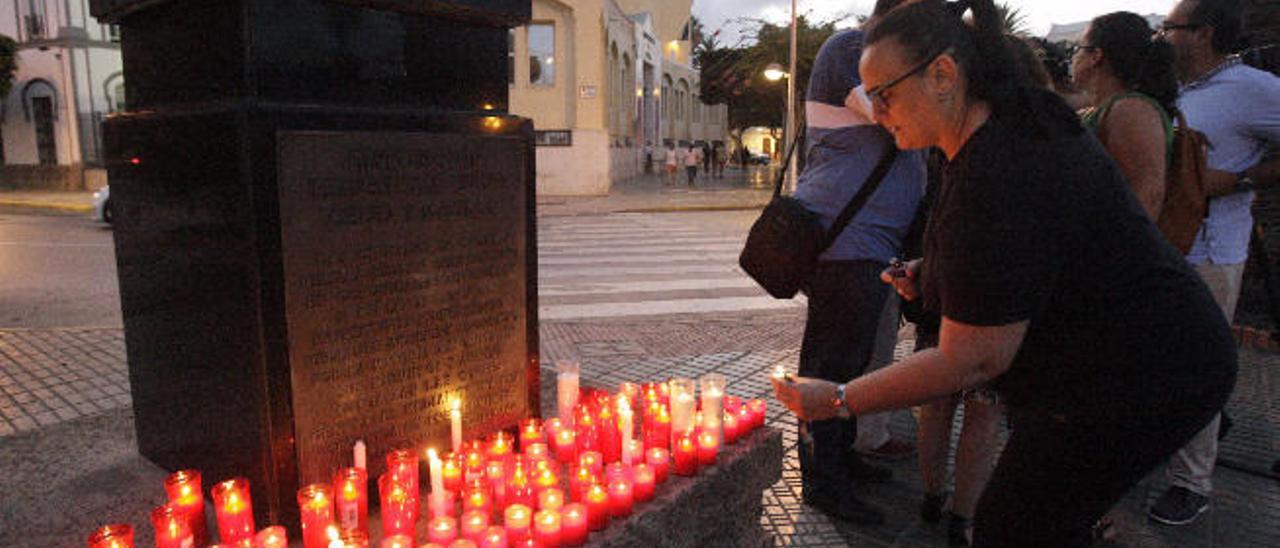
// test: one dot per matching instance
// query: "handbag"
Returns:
(1186, 198)
(784, 243)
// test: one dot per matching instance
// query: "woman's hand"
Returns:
(902, 276)
(809, 399)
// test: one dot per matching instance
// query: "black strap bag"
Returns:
(784, 243)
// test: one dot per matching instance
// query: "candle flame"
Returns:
(432, 454)
(455, 405)
(780, 372)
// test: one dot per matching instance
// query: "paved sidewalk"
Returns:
(71, 457)
(79, 202)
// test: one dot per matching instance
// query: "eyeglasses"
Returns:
(876, 94)
(1166, 28)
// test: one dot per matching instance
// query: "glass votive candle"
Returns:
(566, 445)
(403, 465)
(184, 492)
(538, 451)
(758, 410)
(730, 427)
(451, 472)
(746, 422)
(531, 433)
(596, 499)
(708, 447)
(442, 530)
(477, 498)
(683, 405)
(473, 525)
(399, 506)
(685, 455)
(657, 428)
(546, 528)
(645, 482)
(273, 537)
(573, 525)
(351, 491)
(397, 541)
(501, 445)
(621, 497)
(351, 538)
(518, 521)
(580, 480)
(234, 509)
(315, 507)
(712, 385)
(659, 459)
(116, 535)
(463, 543)
(567, 374)
(495, 537)
(550, 498)
(593, 461)
(172, 530)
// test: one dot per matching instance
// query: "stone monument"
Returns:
(324, 232)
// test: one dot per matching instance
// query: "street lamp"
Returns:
(774, 72)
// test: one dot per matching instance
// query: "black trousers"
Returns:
(1058, 476)
(845, 302)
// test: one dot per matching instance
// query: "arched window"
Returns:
(40, 107)
(114, 90)
(627, 93)
(612, 95)
(684, 101)
(667, 98)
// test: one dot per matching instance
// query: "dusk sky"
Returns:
(718, 14)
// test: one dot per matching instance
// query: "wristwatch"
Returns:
(842, 408)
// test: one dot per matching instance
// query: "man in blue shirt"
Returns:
(1238, 109)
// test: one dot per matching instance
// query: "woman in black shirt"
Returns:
(1053, 284)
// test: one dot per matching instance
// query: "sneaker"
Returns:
(843, 506)
(1178, 506)
(862, 473)
(931, 507)
(894, 449)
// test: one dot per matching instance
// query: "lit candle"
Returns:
(517, 520)
(730, 428)
(708, 447)
(758, 409)
(451, 472)
(172, 530)
(537, 451)
(118, 535)
(712, 385)
(455, 424)
(184, 491)
(399, 506)
(474, 464)
(550, 498)
(566, 445)
(630, 391)
(585, 430)
(437, 481)
(645, 482)
(659, 459)
(685, 454)
(359, 456)
(349, 538)
(397, 541)
(621, 497)
(442, 530)
(460, 543)
(596, 498)
(658, 429)
(546, 528)
(404, 466)
(573, 525)
(617, 470)
(520, 489)
(272, 537)
(567, 389)
(627, 426)
(501, 445)
(495, 537)
(315, 506)
(473, 525)
(593, 461)
(746, 423)
(544, 475)
(531, 433)
(609, 433)
(234, 510)
(780, 372)
(581, 479)
(683, 405)
(351, 489)
(496, 474)
(551, 426)
(477, 499)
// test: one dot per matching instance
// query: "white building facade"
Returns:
(69, 78)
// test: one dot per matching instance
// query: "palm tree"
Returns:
(1013, 20)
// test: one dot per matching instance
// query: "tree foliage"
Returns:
(8, 64)
(1013, 20)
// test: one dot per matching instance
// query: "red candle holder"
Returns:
(518, 520)
(398, 541)
(477, 498)
(473, 525)
(351, 491)
(351, 538)
(399, 506)
(315, 506)
(495, 537)
(451, 472)
(566, 445)
(660, 460)
(615, 471)
(546, 528)
(442, 530)
(593, 461)
(538, 451)
(403, 465)
(550, 498)
(234, 510)
(272, 537)
(730, 426)
(496, 474)
(574, 525)
(596, 498)
(758, 410)
(610, 436)
(501, 445)
(544, 475)
(657, 429)
(520, 490)
(621, 497)
(645, 482)
(473, 465)
(580, 480)
(172, 530)
(685, 455)
(530, 433)
(746, 421)
(184, 491)
(708, 447)
(117, 535)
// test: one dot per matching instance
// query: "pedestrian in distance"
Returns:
(1053, 285)
(670, 160)
(1237, 107)
(692, 157)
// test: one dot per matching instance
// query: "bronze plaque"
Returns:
(405, 286)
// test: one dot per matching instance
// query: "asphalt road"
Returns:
(56, 271)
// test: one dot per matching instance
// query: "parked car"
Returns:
(102, 206)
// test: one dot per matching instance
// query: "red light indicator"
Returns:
(135, 160)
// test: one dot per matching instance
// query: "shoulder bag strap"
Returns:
(786, 163)
(864, 194)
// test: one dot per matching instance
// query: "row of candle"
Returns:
(484, 477)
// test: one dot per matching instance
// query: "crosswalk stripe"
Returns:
(665, 258)
(653, 308)
(558, 289)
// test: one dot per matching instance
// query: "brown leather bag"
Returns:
(1186, 198)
